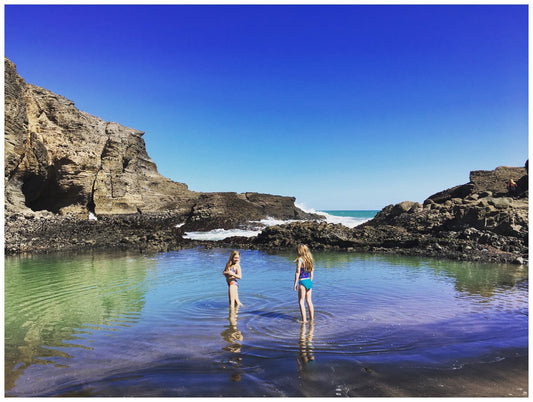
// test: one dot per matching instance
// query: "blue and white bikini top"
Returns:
(304, 274)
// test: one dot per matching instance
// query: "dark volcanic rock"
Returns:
(231, 210)
(45, 232)
(317, 235)
(477, 221)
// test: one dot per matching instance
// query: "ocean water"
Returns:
(159, 325)
(349, 218)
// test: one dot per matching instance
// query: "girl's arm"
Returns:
(297, 274)
(238, 272)
(228, 274)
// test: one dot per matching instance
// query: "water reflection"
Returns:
(305, 354)
(484, 280)
(234, 338)
(469, 277)
(136, 326)
(53, 303)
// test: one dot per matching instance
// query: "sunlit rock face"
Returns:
(478, 221)
(61, 160)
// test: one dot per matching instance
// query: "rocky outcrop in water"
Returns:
(62, 162)
(478, 221)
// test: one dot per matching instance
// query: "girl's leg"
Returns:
(232, 289)
(310, 304)
(301, 302)
(237, 300)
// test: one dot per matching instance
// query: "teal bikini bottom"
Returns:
(306, 283)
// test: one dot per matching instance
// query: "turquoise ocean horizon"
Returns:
(352, 213)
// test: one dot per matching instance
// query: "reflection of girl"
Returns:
(303, 281)
(234, 337)
(233, 273)
(231, 334)
(306, 347)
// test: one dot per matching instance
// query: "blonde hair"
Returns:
(306, 256)
(230, 259)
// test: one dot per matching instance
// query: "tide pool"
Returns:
(159, 325)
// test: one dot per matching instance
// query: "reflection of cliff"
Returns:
(481, 279)
(51, 303)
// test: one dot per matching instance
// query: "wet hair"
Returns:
(307, 257)
(230, 259)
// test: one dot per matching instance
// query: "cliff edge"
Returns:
(62, 162)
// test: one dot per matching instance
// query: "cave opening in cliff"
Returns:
(44, 193)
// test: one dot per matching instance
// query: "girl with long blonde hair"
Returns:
(233, 273)
(303, 281)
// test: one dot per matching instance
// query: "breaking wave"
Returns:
(349, 219)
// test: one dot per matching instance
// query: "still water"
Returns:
(159, 325)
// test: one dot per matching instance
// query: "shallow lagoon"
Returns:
(159, 325)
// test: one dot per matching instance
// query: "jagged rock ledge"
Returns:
(478, 221)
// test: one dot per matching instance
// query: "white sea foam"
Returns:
(92, 217)
(257, 226)
(348, 221)
(220, 234)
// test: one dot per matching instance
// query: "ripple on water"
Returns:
(102, 319)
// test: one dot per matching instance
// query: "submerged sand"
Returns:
(505, 378)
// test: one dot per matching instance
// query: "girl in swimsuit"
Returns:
(303, 281)
(233, 273)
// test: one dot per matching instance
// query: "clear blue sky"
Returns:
(343, 107)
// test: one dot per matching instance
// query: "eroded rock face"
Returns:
(61, 164)
(62, 160)
(477, 221)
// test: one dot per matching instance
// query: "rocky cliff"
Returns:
(478, 221)
(60, 161)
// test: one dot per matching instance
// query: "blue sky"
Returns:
(343, 107)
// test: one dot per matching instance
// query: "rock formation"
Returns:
(476, 221)
(62, 164)
(60, 160)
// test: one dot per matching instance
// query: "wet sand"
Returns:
(505, 378)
